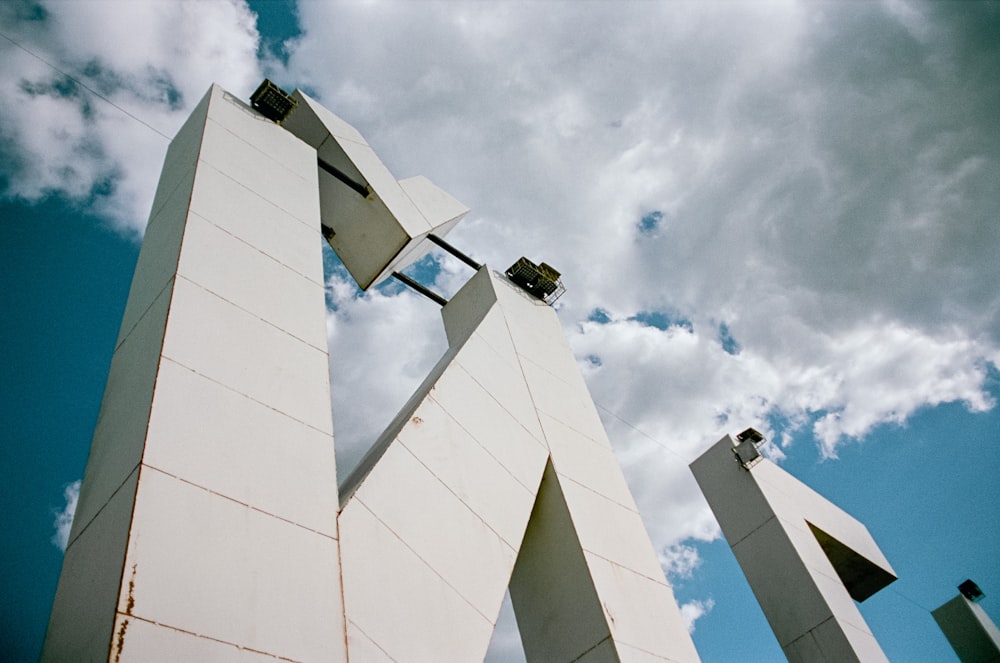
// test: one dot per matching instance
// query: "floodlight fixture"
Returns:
(751, 434)
(971, 591)
(271, 101)
(747, 452)
(540, 280)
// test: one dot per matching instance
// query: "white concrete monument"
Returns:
(805, 559)
(210, 526)
(970, 631)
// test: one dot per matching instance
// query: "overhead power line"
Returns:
(83, 85)
(100, 96)
(643, 433)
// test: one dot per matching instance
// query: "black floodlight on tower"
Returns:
(971, 591)
(540, 280)
(272, 102)
(747, 452)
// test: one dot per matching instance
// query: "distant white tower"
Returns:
(806, 560)
(970, 631)
(209, 524)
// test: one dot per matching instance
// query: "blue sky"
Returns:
(772, 214)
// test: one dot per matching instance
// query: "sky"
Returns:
(783, 215)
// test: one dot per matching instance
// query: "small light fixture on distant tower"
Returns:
(971, 591)
(747, 452)
(540, 280)
(271, 101)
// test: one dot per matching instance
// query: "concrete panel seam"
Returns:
(259, 250)
(270, 324)
(423, 561)
(98, 512)
(763, 524)
(124, 563)
(658, 580)
(241, 503)
(205, 637)
(644, 651)
(268, 157)
(553, 416)
(246, 396)
(603, 445)
(468, 506)
(542, 367)
(482, 446)
(633, 508)
(593, 647)
(485, 341)
(166, 286)
(182, 177)
(340, 138)
(368, 638)
(809, 634)
(311, 224)
(524, 377)
(500, 403)
(340, 588)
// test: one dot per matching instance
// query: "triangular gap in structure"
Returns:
(358, 423)
(860, 576)
(505, 645)
(558, 613)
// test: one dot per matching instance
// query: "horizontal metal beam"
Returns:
(423, 290)
(455, 252)
(361, 189)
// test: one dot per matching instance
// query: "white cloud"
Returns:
(679, 561)
(154, 60)
(825, 174)
(64, 517)
(382, 344)
(692, 611)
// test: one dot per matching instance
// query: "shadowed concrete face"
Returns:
(806, 560)
(970, 631)
(377, 225)
(551, 589)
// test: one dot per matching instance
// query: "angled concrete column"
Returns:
(806, 560)
(376, 224)
(970, 631)
(499, 466)
(206, 525)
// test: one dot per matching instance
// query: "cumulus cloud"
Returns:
(820, 217)
(806, 189)
(64, 517)
(679, 561)
(692, 611)
(153, 61)
(382, 345)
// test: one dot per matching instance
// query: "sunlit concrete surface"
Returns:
(805, 559)
(970, 631)
(499, 470)
(377, 223)
(206, 524)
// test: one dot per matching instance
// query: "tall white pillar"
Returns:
(807, 561)
(206, 524)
